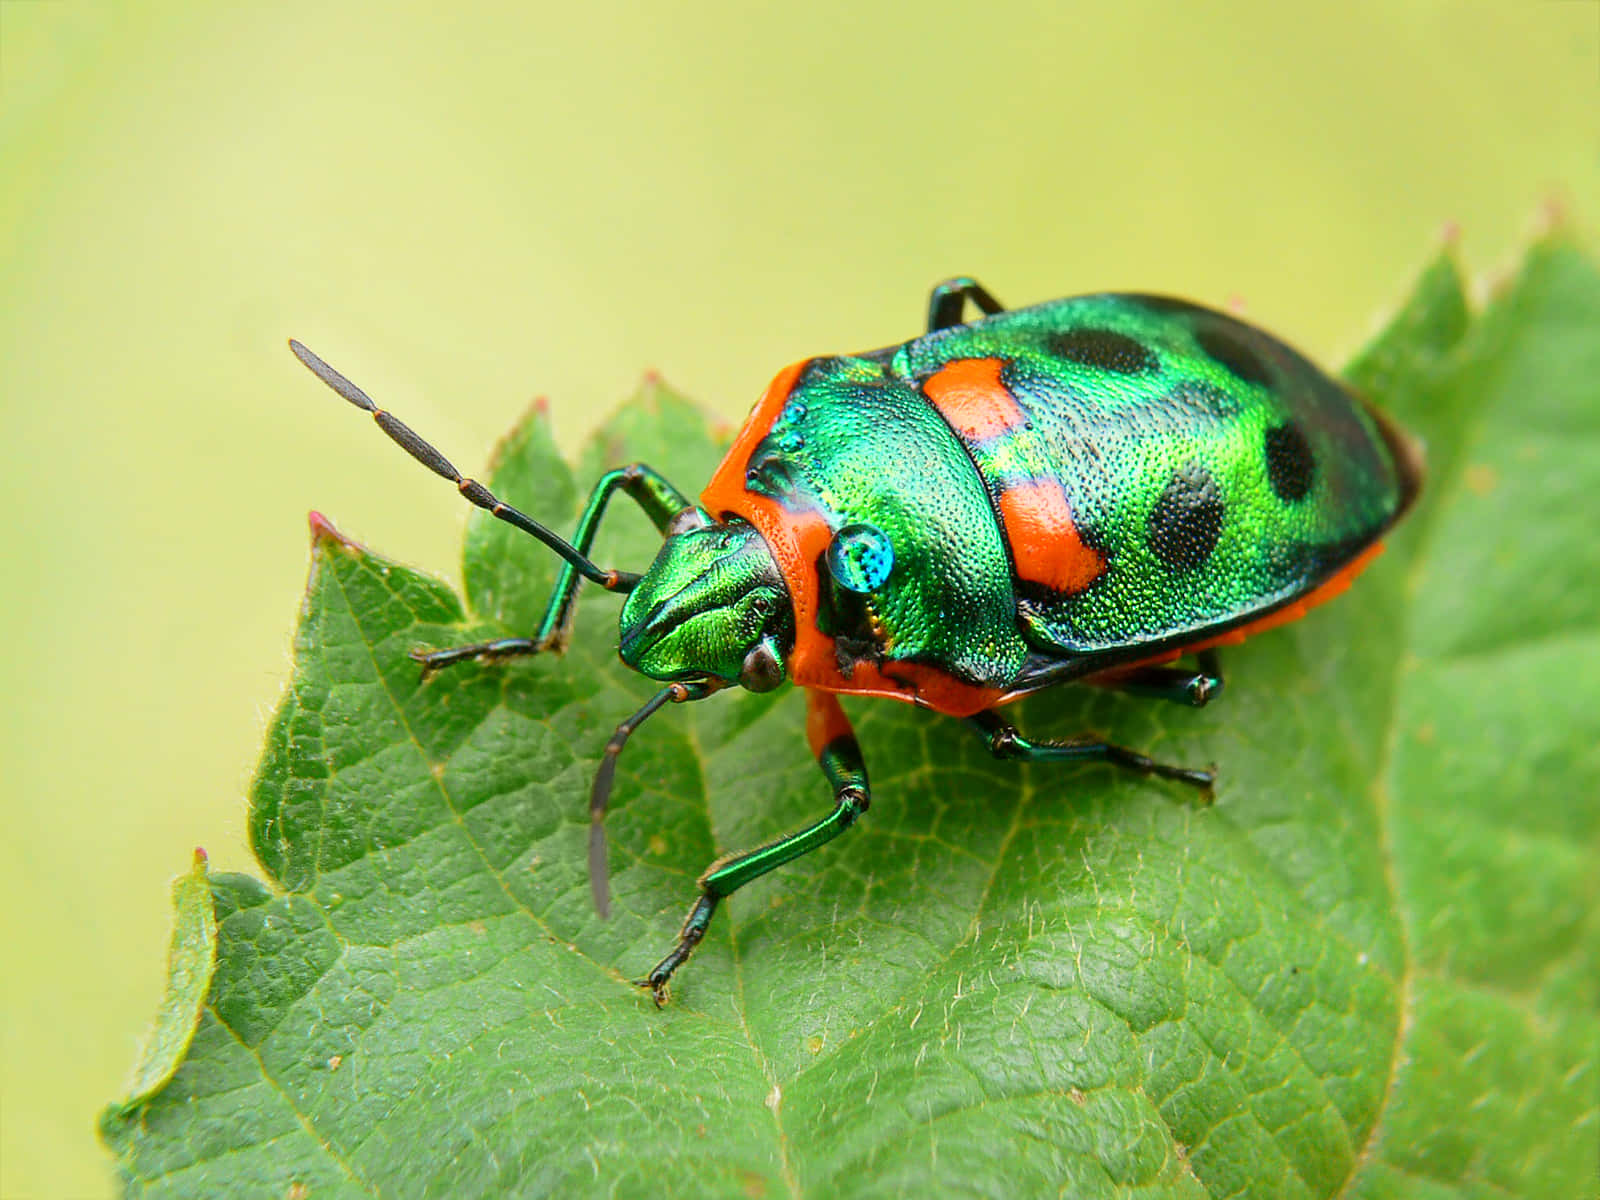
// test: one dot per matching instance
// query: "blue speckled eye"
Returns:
(860, 558)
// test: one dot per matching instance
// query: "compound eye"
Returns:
(860, 558)
(761, 671)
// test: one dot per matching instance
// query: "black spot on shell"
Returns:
(1238, 358)
(1187, 519)
(1104, 350)
(1291, 465)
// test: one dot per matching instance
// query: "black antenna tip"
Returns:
(331, 377)
(599, 797)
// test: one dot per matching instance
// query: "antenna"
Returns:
(599, 877)
(408, 440)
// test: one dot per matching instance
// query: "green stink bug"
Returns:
(1084, 490)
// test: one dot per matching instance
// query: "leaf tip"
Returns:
(1554, 217)
(535, 427)
(654, 391)
(323, 530)
(191, 965)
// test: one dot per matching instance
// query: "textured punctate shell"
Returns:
(1066, 487)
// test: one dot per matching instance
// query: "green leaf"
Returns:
(191, 963)
(1370, 969)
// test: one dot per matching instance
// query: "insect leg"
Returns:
(1195, 688)
(948, 300)
(839, 756)
(660, 501)
(1005, 742)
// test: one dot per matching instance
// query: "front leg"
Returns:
(1005, 742)
(834, 744)
(661, 502)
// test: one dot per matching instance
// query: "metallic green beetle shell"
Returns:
(1079, 484)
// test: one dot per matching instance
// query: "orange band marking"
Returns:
(1044, 539)
(969, 395)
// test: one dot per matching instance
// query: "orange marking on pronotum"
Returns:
(1045, 543)
(969, 394)
(322, 530)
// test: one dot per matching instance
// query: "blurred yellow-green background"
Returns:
(466, 206)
